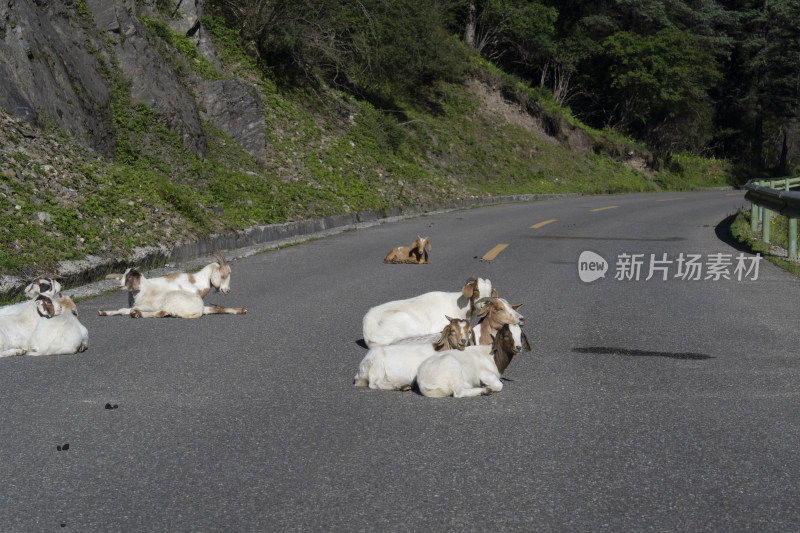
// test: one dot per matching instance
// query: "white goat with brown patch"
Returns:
(17, 329)
(216, 275)
(169, 296)
(61, 334)
(394, 367)
(474, 371)
(415, 254)
(424, 314)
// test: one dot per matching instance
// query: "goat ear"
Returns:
(525, 344)
(443, 340)
(449, 319)
(515, 307)
(469, 288)
(494, 292)
(45, 306)
(216, 275)
(472, 340)
(32, 290)
(428, 244)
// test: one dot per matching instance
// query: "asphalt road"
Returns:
(645, 404)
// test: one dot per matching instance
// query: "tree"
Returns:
(661, 84)
(389, 43)
(769, 59)
(583, 27)
(515, 33)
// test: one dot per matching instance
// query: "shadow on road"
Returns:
(610, 350)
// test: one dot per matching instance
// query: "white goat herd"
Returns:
(444, 343)
(463, 360)
(47, 324)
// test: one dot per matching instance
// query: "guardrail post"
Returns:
(791, 247)
(765, 220)
(754, 215)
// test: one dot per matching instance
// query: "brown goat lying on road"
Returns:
(414, 254)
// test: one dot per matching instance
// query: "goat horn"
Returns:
(221, 259)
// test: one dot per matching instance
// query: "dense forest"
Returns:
(716, 78)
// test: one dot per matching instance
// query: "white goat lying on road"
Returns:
(17, 330)
(424, 314)
(45, 286)
(214, 275)
(473, 371)
(394, 367)
(157, 299)
(61, 334)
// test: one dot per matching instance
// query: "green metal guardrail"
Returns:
(765, 198)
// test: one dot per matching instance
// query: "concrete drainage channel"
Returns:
(85, 277)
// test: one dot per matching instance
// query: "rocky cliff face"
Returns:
(48, 70)
(56, 59)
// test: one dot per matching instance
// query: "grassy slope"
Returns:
(328, 153)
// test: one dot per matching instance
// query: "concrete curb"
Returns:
(85, 277)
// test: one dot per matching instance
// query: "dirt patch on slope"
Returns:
(493, 102)
(554, 130)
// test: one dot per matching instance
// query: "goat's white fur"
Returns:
(471, 372)
(422, 315)
(160, 299)
(394, 367)
(17, 330)
(62, 334)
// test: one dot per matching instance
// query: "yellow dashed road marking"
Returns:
(670, 199)
(604, 208)
(491, 254)
(540, 224)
